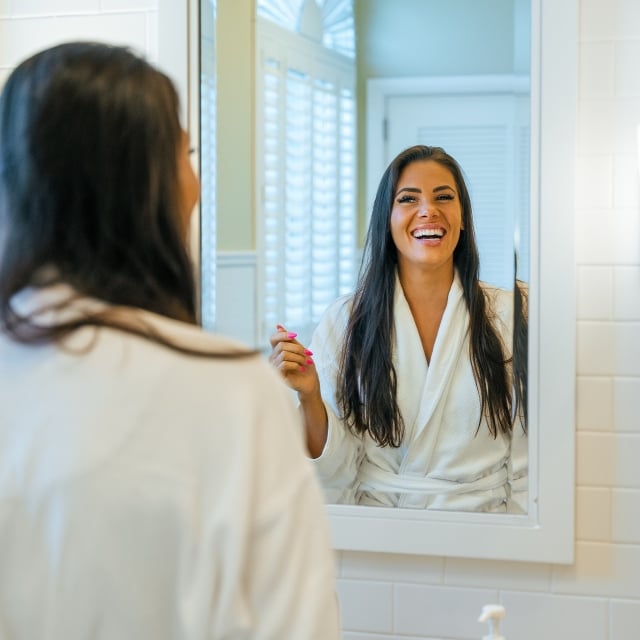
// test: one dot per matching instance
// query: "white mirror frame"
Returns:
(546, 533)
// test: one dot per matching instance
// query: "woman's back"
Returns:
(142, 493)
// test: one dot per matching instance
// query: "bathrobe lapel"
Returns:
(423, 389)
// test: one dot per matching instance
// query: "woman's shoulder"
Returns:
(330, 330)
(60, 303)
(341, 306)
(336, 315)
(193, 367)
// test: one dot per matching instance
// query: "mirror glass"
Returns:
(409, 73)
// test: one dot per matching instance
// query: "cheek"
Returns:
(189, 188)
(456, 220)
(459, 232)
(396, 222)
(194, 188)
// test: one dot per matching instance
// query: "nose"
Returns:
(426, 210)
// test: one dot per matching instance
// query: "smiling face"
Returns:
(426, 218)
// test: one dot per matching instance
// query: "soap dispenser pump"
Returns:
(492, 613)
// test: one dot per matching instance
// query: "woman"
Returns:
(153, 478)
(409, 400)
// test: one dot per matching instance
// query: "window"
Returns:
(327, 21)
(306, 154)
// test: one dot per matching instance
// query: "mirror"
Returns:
(545, 533)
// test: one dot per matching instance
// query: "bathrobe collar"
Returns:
(425, 391)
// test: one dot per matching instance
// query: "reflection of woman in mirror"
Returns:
(409, 398)
(141, 458)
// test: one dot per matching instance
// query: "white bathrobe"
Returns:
(150, 495)
(442, 462)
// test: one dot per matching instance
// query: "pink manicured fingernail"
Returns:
(302, 369)
(309, 361)
(291, 335)
(308, 353)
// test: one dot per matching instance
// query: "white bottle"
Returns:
(492, 613)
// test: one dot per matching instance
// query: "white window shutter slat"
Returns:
(306, 144)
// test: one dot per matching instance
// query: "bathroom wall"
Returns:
(29, 25)
(387, 597)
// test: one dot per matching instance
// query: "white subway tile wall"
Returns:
(531, 616)
(602, 569)
(27, 26)
(440, 610)
(625, 523)
(625, 619)
(51, 7)
(626, 397)
(595, 293)
(385, 597)
(594, 403)
(516, 576)
(593, 514)
(370, 605)
(385, 567)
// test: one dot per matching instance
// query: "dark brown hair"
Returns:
(367, 380)
(89, 192)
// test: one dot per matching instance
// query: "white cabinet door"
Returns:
(488, 134)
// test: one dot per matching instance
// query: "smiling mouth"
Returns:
(428, 234)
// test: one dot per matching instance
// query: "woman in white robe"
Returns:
(438, 442)
(153, 478)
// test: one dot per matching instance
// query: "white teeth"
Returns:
(428, 233)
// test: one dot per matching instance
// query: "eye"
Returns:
(405, 198)
(445, 197)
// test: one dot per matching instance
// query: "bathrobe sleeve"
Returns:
(338, 464)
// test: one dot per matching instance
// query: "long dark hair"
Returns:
(89, 192)
(520, 366)
(367, 380)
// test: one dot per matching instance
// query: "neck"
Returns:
(429, 284)
(426, 294)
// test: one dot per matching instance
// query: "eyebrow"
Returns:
(444, 187)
